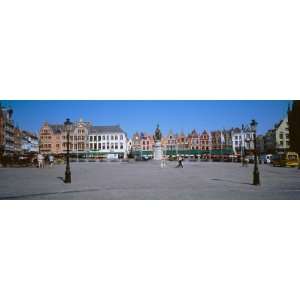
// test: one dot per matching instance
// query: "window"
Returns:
(103, 146)
(287, 136)
(116, 146)
(103, 137)
(111, 146)
(95, 146)
(91, 138)
(99, 137)
(121, 137)
(121, 146)
(281, 135)
(111, 137)
(99, 145)
(116, 137)
(91, 146)
(281, 143)
(57, 145)
(95, 139)
(107, 137)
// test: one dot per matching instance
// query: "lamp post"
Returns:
(256, 179)
(68, 126)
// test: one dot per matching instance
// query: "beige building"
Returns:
(282, 135)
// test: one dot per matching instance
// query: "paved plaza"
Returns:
(147, 180)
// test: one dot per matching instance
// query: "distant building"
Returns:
(282, 136)
(194, 140)
(204, 141)
(182, 142)
(30, 142)
(242, 140)
(171, 141)
(6, 131)
(136, 142)
(17, 140)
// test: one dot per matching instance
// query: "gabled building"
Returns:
(204, 141)
(242, 140)
(282, 139)
(194, 140)
(182, 142)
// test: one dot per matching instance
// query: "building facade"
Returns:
(17, 140)
(53, 138)
(277, 139)
(242, 140)
(30, 142)
(107, 141)
(7, 131)
(282, 136)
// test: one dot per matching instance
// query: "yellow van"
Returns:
(289, 159)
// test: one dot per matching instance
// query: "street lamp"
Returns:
(256, 180)
(68, 126)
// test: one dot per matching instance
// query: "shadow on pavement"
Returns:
(61, 178)
(232, 181)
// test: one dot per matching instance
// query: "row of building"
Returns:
(112, 141)
(85, 139)
(104, 141)
(14, 140)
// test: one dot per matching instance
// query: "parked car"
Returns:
(267, 159)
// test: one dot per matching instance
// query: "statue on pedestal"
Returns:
(157, 145)
(157, 134)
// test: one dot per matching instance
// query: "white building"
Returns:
(107, 141)
(242, 139)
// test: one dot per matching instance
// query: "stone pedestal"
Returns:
(157, 155)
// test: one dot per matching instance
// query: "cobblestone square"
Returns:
(147, 180)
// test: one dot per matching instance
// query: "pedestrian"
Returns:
(163, 162)
(180, 162)
(40, 159)
(51, 160)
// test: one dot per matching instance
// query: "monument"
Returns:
(157, 144)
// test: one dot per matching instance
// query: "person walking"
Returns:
(40, 159)
(180, 159)
(51, 160)
(162, 162)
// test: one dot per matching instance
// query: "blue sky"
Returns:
(135, 116)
